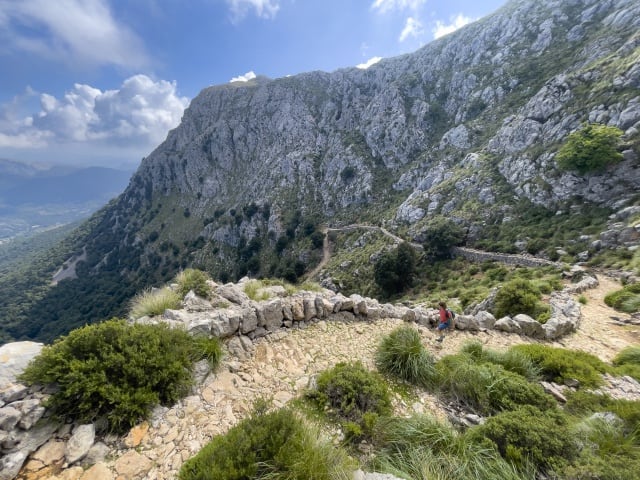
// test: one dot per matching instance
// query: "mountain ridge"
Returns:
(465, 128)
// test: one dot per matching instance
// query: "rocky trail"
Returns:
(280, 368)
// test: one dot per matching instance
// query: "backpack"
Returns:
(451, 316)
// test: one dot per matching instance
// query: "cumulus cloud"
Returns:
(139, 113)
(384, 6)
(368, 63)
(412, 28)
(441, 29)
(244, 78)
(74, 31)
(262, 8)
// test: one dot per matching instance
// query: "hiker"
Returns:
(445, 320)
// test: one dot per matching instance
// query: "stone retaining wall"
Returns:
(506, 258)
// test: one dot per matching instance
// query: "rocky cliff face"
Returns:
(465, 127)
(508, 88)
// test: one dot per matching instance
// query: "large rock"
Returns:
(508, 325)
(225, 323)
(80, 443)
(529, 327)
(14, 357)
(270, 314)
(10, 464)
(133, 465)
(233, 293)
(485, 320)
(466, 322)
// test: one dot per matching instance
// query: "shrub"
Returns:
(625, 300)
(559, 364)
(393, 272)
(154, 302)
(511, 360)
(402, 355)
(517, 296)
(422, 448)
(582, 299)
(608, 452)
(441, 235)
(115, 370)
(276, 445)
(192, 279)
(529, 434)
(627, 362)
(349, 391)
(486, 387)
(582, 403)
(590, 149)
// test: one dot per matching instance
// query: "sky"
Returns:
(101, 82)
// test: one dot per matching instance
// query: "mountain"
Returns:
(33, 197)
(468, 128)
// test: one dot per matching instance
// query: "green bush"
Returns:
(559, 364)
(276, 445)
(511, 360)
(440, 236)
(625, 300)
(192, 279)
(394, 270)
(608, 453)
(154, 302)
(401, 355)
(590, 149)
(422, 448)
(517, 296)
(581, 403)
(528, 434)
(352, 395)
(487, 388)
(115, 371)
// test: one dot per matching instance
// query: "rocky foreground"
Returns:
(278, 365)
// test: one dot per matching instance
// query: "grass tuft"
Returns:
(154, 302)
(401, 355)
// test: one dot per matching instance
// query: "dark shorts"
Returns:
(442, 326)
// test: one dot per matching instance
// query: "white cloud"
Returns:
(73, 31)
(412, 28)
(368, 63)
(442, 29)
(384, 6)
(243, 78)
(262, 8)
(139, 114)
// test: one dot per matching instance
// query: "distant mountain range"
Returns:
(34, 197)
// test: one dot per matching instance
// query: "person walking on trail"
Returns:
(445, 320)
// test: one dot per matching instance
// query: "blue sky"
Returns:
(101, 82)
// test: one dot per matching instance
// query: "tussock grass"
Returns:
(279, 445)
(421, 448)
(486, 387)
(152, 302)
(401, 355)
(253, 290)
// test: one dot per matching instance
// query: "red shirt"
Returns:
(444, 317)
